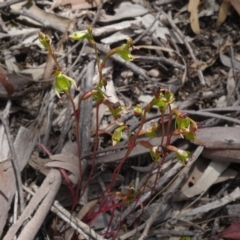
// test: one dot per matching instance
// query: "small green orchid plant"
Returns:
(185, 127)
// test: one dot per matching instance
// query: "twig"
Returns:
(147, 29)
(232, 60)
(49, 120)
(163, 2)
(84, 227)
(212, 213)
(131, 233)
(55, 210)
(168, 233)
(97, 14)
(162, 60)
(130, 65)
(230, 100)
(149, 222)
(213, 115)
(84, 44)
(86, 109)
(14, 161)
(15, 208)
(15, 211)
(168, 195)
(8, 3)
(63, 216)
(37, 208)
(178, 31)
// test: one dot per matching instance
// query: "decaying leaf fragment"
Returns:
(193, 9)
(76, 4)
(223, 12)
(225, 8)
(236, 5)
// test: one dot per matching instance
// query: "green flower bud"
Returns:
(45, 40)
(62, 82)
(182, 156)
(79, 35)
(117, 135)
(138, 110)
(125, 55)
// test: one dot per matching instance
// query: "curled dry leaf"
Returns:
(68, 162)
(223, 12)
(225, 8)
(193, 9)
(236, 5)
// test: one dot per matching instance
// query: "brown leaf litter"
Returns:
(191, 48)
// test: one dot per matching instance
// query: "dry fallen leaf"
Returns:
(193, 9)
(76, 4)
(236, 5)
(223, 12)
(43, 18)
(124, 10)
(225, 8)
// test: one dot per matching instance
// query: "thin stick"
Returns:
(17, 172)
(15, 211)
(147, 29)
(178, 31)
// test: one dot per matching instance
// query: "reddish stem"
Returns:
(78, 147)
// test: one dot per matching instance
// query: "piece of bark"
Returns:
(219, 137)
(218, 142)
(24, 146)
(45, 197)
(221, 143)
(38, 207)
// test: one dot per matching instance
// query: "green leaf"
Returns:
(182, 156)
(182, 123)
(102, 83)
(124, 51)
(169, 97)
(114, 108)
(80, 35)
(98, 95)
(125, 55)
(159, 102)
(151, 131)
(190, 136)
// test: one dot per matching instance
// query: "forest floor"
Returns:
(144, 145)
